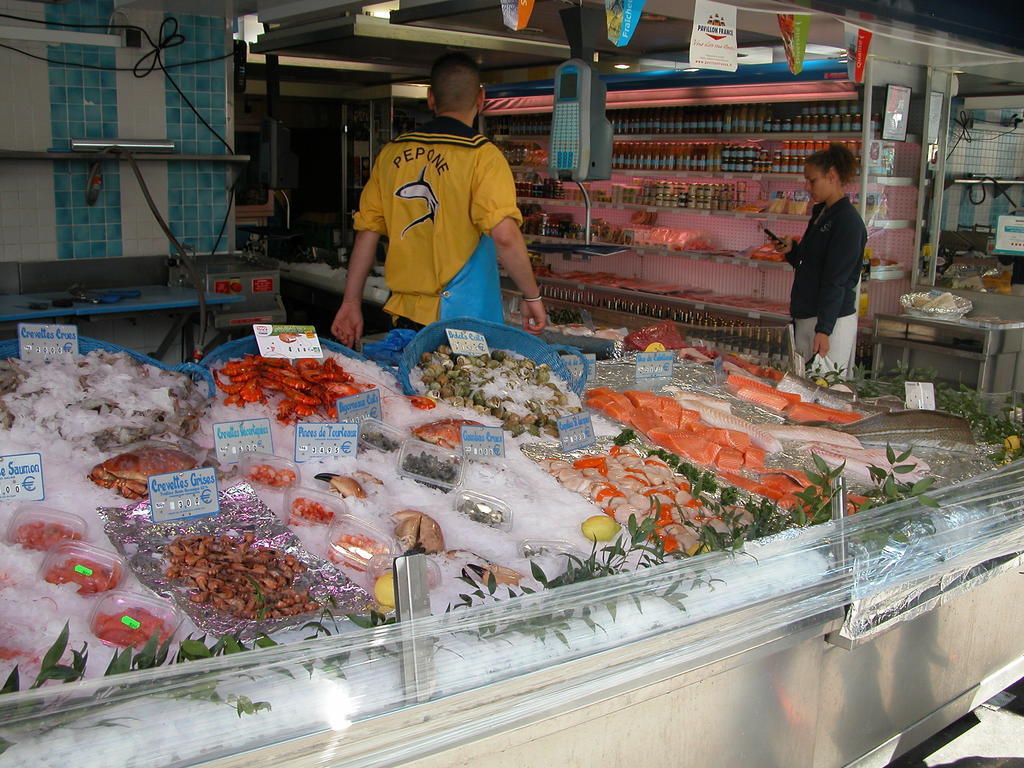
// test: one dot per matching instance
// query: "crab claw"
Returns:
(343, 485)
(415, 529)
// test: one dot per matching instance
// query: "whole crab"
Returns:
(128, 473)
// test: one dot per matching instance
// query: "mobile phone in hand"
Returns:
(775, 238)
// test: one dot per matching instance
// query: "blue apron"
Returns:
(475, 291)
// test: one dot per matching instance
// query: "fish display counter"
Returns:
(602, 558)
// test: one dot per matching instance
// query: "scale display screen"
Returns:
(567, 86)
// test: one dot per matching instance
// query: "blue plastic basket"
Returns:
(247, 346)
(498, 337)
(9, 348)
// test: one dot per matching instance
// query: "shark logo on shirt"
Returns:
(419, 190)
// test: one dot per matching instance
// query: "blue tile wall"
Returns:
(196, 191)
(83, 104)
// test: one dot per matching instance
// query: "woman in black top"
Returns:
(827, 262)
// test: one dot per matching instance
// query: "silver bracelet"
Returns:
(535, 298)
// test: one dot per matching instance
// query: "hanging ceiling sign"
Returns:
(622, 16)
(516, 13)
(713, 40)
(858, 41)
(795, 28)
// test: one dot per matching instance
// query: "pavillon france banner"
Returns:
(516, 13)
(713, 40)
(622, 16)
(858, 41)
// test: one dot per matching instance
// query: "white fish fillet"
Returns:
(723, 420)
(706, 400)
(689, 353)
(858, 461)
(812, 435)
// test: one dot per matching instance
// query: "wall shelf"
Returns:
(13, 154)
(684, 137)
(881, 181)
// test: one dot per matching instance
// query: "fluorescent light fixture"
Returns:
(692, 69)
(381, 10)
(622, 66)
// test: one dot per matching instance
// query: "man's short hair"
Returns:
(454, 81)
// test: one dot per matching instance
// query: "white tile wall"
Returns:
(27, 218)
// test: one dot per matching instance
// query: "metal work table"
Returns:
(174, 301)
(984, 357)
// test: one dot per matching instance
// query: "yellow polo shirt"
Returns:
(434, 193)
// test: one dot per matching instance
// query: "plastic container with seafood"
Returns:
(306, 506)
(91, 568)
(377, 435)
(42, 528)
(431, 464)
(354, 542)
(530, 548)
(269, 471)
(484, 509)
(126, 619)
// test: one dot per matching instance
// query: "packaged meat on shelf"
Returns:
(559, 548)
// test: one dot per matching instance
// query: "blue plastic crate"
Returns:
(498, 336)
(9, 348)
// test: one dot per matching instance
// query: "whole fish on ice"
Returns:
(926, 429)
(858, 461)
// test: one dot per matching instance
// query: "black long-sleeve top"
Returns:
(827, 262)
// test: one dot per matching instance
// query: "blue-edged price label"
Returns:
(584, 368)
(288, 341)
(179, 495)
(42, 343)
(360, 407)
(21, 477)
(654, 365)
(576, 431)
(466, 342)
(233, 438)
(315, 440)
(483, 442)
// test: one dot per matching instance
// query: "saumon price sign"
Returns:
(21, 477)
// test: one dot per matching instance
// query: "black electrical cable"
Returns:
(999, 190)
(168, 37)
(186, 260)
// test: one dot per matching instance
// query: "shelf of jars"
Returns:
(783, 136)
(755, 215)
(873, 179)
(730, 304)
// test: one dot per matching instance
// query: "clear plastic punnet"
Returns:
(344, 699)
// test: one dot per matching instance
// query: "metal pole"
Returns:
(412, 603)
(839, 517)
(586, 205)
(939, 181)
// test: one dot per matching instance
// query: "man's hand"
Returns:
(534, 316)
(348, 323)
(785, 245)
(820, 345)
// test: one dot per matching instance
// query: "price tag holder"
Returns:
(42, 343)
(181, 495)
(920, 395)
(576, 431)
(360, 407)
(317, 440)
(585, 368)
(466, 342)
(21, 477)
(233, 438)
(287, 341)
(483, 442)
(654, 365)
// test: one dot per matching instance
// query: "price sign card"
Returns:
(315, 440)
(483, 442)
(42, 343)
(466, 342)
(654, 365)
(180, 495)
(576, 431)
(920, 395)
(289, 341)
(584, 368)
(21, 477)
(357, 408)
(233, 438)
